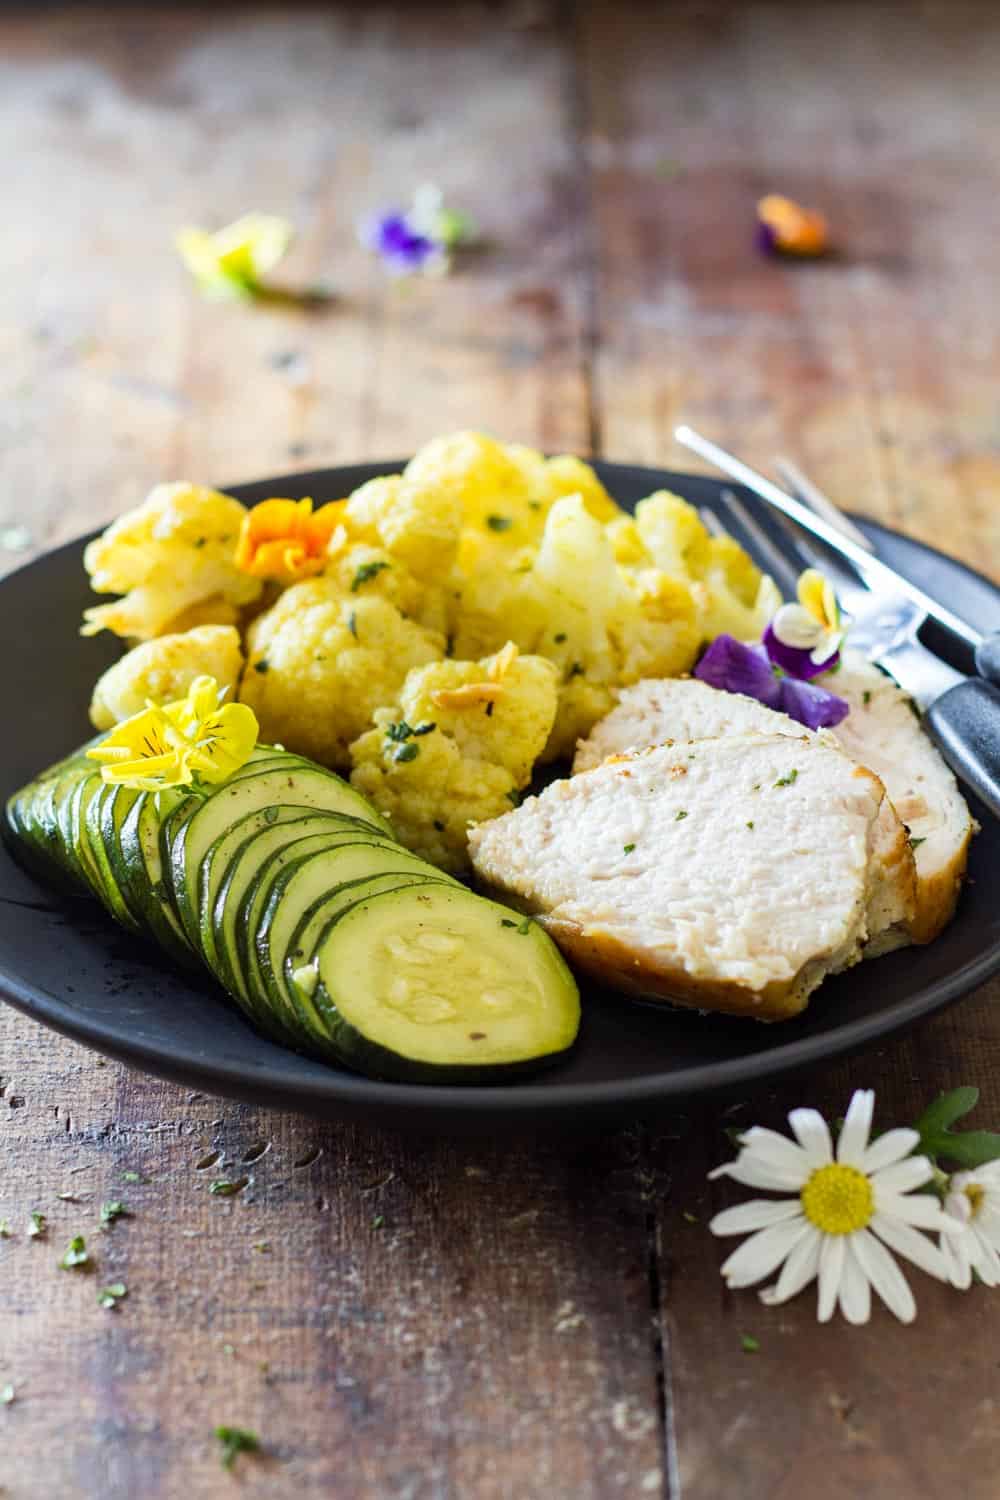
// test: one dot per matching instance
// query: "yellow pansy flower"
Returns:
(285, 540)
(813, 625)
(231, 261)
(172, 744)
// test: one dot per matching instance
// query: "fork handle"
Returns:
(965, 722)
(988, 657)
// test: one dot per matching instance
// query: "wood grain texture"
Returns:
(411, 1319)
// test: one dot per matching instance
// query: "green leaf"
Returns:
(76, 1254)
(236, 1440)
(112, 1211)
(965, 1148)
(749, 1344)
(110, 1296)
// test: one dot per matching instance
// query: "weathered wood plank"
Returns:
(858, 367)
(429, 1319)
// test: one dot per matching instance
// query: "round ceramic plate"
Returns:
(65, 964)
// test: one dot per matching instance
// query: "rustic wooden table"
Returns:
(448, 1319)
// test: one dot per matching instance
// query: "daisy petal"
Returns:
(885, 1276)
(799, 1269)
(988, 1261)
(813, 1135)
(957, 1261)
(758, 1256)
(889, 1148)
(855, 1290)
(906, 1240)
(831, 1265)
(759, 1213)
(777, 1150)
(919, 1209)
(903, 1176)
(853, 1142)
(752, 1173)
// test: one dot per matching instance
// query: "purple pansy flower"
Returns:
(402, 248)
(797, 661)
(737, 667)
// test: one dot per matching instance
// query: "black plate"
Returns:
(65, 965)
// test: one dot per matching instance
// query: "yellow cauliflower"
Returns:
(416, 522)
(456, 749)
(162, 670)
(323, 658)
(731, 592)
(374, 573)
(172, 553)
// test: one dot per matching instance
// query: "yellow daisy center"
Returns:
(975, 1195)
(838, 1200)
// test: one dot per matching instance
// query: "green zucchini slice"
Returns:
(432, 982)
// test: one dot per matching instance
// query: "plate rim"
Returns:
(274, 1080)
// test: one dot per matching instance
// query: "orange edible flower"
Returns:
(788, 228)
(285, 540)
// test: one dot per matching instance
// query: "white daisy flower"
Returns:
(846, 1210)
(973, 1200)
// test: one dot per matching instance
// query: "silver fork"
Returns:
(962, 714)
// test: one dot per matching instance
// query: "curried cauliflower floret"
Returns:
(322, 659)
(173, 552)
(461, 743)
(480, 474)
(731, 592)
(162, 671)
(418, 523)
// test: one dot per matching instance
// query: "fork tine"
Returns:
(803, 488)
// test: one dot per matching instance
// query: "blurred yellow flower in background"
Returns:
(230, 262)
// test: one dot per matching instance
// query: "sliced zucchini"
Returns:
(142, 866)
(237, 906)
(106, 887)
(291, 884)
(432, 983)
(289, 780)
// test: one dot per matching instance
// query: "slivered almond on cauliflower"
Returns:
(456, 749)
(171, 554)
(324, 657)
(162, 670)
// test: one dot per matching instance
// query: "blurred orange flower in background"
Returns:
(286, 540)
(786, 228)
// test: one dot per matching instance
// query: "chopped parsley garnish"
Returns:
(352, 623)
(749, 1344)
(424, 728)
(680, 815)
(628, 848)
(223, 1188)
(110, 1296)
(262, 666)
(559, 638)
(137, 1176)
(525, 927)
(750, 824)
(112, 1211)
(514, 797)
(576, 670)
(4, 1230)
(365, 573)
(689, 1218)
(400, 731)
(39, 1226)
(236, 1440)
(407, 752)
(378, 1221)
(506, 922)
(7, 1395)
(499, 523)
(76, 1254)
(793, 775)
(439, 825)
(262, 1247)
(915, 843)
(271, 815)
(866, 697)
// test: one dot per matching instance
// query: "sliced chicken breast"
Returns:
(729, 874)
(882, 732)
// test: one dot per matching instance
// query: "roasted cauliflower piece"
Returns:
(731, 592)
(417, 523)
(162, 670)
(324, 657)
(169, 555)
(456, 749)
